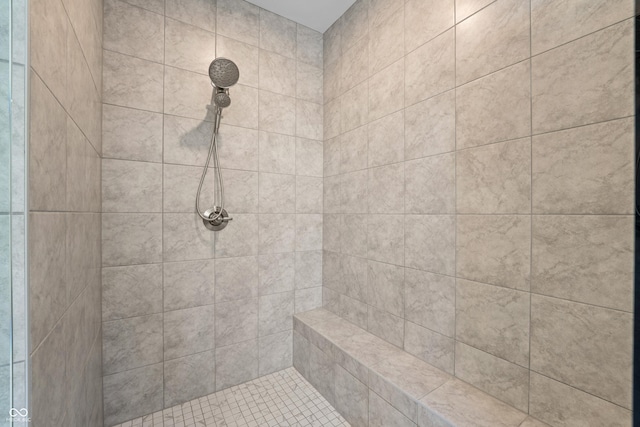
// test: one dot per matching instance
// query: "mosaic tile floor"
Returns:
(284, 398)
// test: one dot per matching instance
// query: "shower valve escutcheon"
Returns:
(219, 222)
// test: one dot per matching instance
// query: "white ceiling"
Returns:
(316, 14)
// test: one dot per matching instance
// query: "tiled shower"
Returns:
(455, 177)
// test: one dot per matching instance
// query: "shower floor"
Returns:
(283, 398)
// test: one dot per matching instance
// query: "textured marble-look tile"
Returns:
(380, 10)
(236, 321)
(354, 65)
(332, 189)
(354, 108)
(493, 319)
(189, 377)
(430, 127)
(184, 237)
(187, 94)
(188, 284)
(354, 275)
(494, 249)
(308, 231)
(353, 150)
(457, 403)
(309, 46)
(245, 56)
(309, 83)
(275, 313)
(132, 82)
(239, 20)
(386, 41)
(386, 326)
(188, 47)
(50, 371)
(430, 243)
(131, 394)
(560, 405)
(277, 193)
(424, 20)
(133, 31)
(595, 250)
(351, 235)
(332, 120)
(321, 373)
(386, 238)
(430, 300)
(180, 185)
(48, 30)
(584, 170)
(186, 141)
(353, 310)
(403, 379)
(131, 343)
(495, 376)
(354, 192)
(351, 398)
(240, 238)
(386, 189)
(386, 140)
(494, 38)
(308, 299)
(572, 343)
(276, 273)
(244, 108)
(430, 346)
(550, 27)
(332, 233)
(494, 108)
(466, 8)
(47, 149)
(385, 287)
(333, 81)
(309, 157)
(277, 113)
(189, 331)
(332, 156)
(309, 120)
(131, 239)
(277, 153)
(430, 185)
(382, 414)
(239, 148)
(236, 364)
(277, 34)
(131, 186)
(570, 89)
(131, 291)
(495, 178)
(355, 24)
(386, 91)
(301, 354)
(309, 194)
(308, 269)
(277, 236)
(532, 422)
(430, 69)
(277, 73)
(276, 352)
(131, 134)
(201, 13)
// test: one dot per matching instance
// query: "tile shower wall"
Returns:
(478, 193)
(64, 212)
(187, 311)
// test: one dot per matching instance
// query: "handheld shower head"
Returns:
(222, 99)
(224, 73)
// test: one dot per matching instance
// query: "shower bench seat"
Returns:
(373, 383)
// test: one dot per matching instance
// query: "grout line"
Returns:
(530, 200)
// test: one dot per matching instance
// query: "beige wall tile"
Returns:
(277, 34)
(131, 134)
(200, 13)
(131, 186)
(239, 20)
(386, 91)
(430, 127)
(430, 243)
(386, 41)
(430, 300)
(573, 343)
(466, 8)
(424, 20)
(188, 47)
(432, 347)
(386, 140)
(430, 185)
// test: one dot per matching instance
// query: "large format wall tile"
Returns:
(573, 343)
(277, 34)
(585, 81)
(131, 291)
(584, 170)
(430, 185)
(239, 20)
(430, 243)
(597, 259)
(430, 300)
(385, 141)
(188, 47)
(430, 127)
(189, 377)
(189, 331)
(424, 20)
(236, 321)
(276, 352)
(244, 55)
(236, 364)
(131, 186)
(131, 343)
(131, 239)
(188, 284)
(131, 134)
(186, 94)
(430, 346)
(200, 13)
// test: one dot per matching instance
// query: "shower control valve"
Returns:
(218, 223)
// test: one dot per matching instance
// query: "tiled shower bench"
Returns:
(373, 383)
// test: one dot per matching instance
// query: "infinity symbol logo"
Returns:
(13, 412)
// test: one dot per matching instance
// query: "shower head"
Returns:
(222, 99)
(223, 73)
